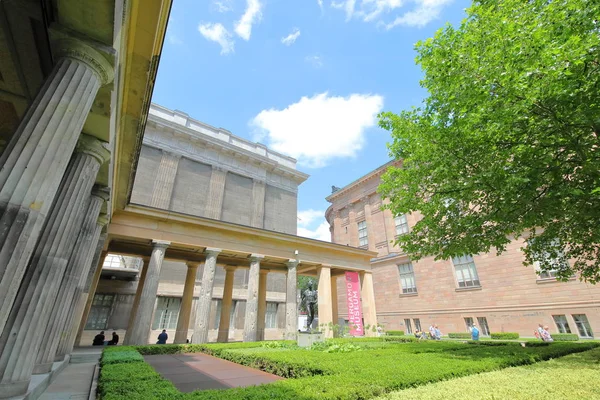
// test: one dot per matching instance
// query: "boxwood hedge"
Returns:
(459, 335)
(504, 335)
(565, 337)
(395, 333)
(317, 375)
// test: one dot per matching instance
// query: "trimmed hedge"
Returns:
(459, 335)
(504, 335)
(394, 333)
(345, 376)
(565, 337)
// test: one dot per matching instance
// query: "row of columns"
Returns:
(50, 220)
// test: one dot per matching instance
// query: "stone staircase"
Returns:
(86, 355)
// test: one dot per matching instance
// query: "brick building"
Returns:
(497, 292)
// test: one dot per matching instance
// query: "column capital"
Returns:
(230, 268)
(76, 49)
(90, 145)
(161, 244)
(291, 263)
(101, 191)
(102, 220)
(264, 271)
(219, 168)
(255, 257)
(211, 251)
(192, 264)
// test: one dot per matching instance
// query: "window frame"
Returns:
(363, 235)
(466, 263)
(587, 329)
(484, 328)
(406, 276)
(467, 324)
(166, 318)
(98, 310)
(407, 326)
(561, 327)
(271, 317)
(417, 322)
(401, 221)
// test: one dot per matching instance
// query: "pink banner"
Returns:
(354, 308)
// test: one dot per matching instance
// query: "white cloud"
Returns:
(318, 129)
(420, 14)
(320, 4)
(174, 39)
(223, 6)
(251, 16)
(217, 33)
(314, 60)
(316, 219)
(426, 11)
(291, 38)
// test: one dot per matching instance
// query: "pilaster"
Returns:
(138, 334)
(251, 320)
(34, 161)
(165, 180)
(183, 322)
(205, 298)
(258, 203)
(216, 193)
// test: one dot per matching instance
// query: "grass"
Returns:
(372, 368)
(573, 377)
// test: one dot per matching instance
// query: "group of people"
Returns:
(99, 340)
(542, 333)
(434, 333)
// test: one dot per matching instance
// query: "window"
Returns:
(100, 311)
(362, 233)
(468, 323)
(271, 316)
(113, 261)
(408, 327)
(167, 312)
(219, 307)
(466, 274)
(547, 264)
(483, 326)
(583, 325)
(401, 224)
(407, 278)
(561, 323)
(417, 322)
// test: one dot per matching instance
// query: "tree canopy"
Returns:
(506, 143)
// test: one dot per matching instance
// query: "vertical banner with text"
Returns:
(354, 308)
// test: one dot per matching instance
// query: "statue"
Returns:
(308, 301)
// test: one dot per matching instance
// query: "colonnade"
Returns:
(50, 217)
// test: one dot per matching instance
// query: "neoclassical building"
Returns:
(496, 292)
(76, 80)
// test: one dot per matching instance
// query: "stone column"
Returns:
(139, 332)
(324, 299)
(23, 332)
(251, 319)
(205, 298)
(258, 203)
(216, 192)
(165, 180)
(225, 319)
(183, 322)
(35, 159)
(370, 228)
(88, 234)
(291, 301)
(136, 301)
(367, 295)
(334, 300)
(67, 339)
(262, 304)
(89, 289)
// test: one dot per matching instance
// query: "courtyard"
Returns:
(388, 367)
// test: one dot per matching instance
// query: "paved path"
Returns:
(73, 382)
(198, 371)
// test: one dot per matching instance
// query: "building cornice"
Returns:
(376, 172)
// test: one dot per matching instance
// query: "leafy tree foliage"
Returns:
(506, 144)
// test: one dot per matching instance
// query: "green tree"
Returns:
(506, 143)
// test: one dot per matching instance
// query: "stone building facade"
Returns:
(192, 168)
(496, 292)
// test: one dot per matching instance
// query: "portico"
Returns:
(205, 245)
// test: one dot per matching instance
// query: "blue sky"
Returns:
(305, 77)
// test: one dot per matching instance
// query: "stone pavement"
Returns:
(189, 372)
(74, 382)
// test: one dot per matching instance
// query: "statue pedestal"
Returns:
(307, 339)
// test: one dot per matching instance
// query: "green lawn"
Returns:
(377, 367)
(571, 377)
